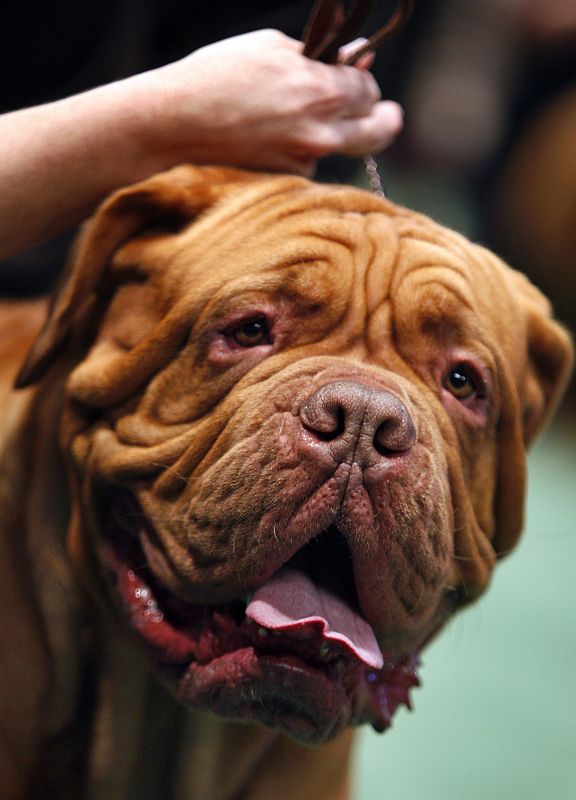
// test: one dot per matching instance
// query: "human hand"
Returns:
(255, 101)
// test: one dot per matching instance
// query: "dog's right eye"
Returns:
(460, 383)
(463, 382)
(252, 333)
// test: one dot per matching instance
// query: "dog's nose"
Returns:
(358, 422)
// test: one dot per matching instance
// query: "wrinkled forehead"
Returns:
(286, 242)
(331, 245)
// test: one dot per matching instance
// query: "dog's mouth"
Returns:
(296, 654)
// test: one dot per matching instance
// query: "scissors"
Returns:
(330, 26)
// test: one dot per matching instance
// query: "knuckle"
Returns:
(272, 36)
(346, 87)
(366, 87)
(322, 86)
(336, 94)
(324, 141)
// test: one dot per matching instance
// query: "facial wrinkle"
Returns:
(383, 237)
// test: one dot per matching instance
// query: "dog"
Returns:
(269, 440)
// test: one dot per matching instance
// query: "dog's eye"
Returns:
(462, 382)
(251, 333)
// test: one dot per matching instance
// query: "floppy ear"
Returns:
(170, 199)
(549, 360)
(530, 403)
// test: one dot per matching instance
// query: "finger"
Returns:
(370, 133)
(348, 50)
(354, 92)
(306, 167)
(366, 61)
(293, 44)
(295, 160)
(274, 38)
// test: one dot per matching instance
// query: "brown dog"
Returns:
(275, 438)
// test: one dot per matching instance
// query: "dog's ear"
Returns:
(171, 200)
(532, 396)
(549, 360)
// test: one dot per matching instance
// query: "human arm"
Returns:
(251, 101)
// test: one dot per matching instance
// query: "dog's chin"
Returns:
(286, 692)
(298, 680)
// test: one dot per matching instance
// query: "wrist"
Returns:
(123, 141)
(171, 115)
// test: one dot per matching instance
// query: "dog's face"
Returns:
(296, 419)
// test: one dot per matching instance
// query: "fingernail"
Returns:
(361, 40)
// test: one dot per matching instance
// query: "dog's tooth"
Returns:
(248, 597)
(324, 651)
(262, 632)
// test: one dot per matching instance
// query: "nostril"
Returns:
(326, 421)
(395, 435)
(336, 428)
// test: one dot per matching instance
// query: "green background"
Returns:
(496, 715)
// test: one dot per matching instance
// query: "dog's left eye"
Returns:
(251, 333)
(462, 382)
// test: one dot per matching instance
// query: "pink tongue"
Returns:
(289, 601)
